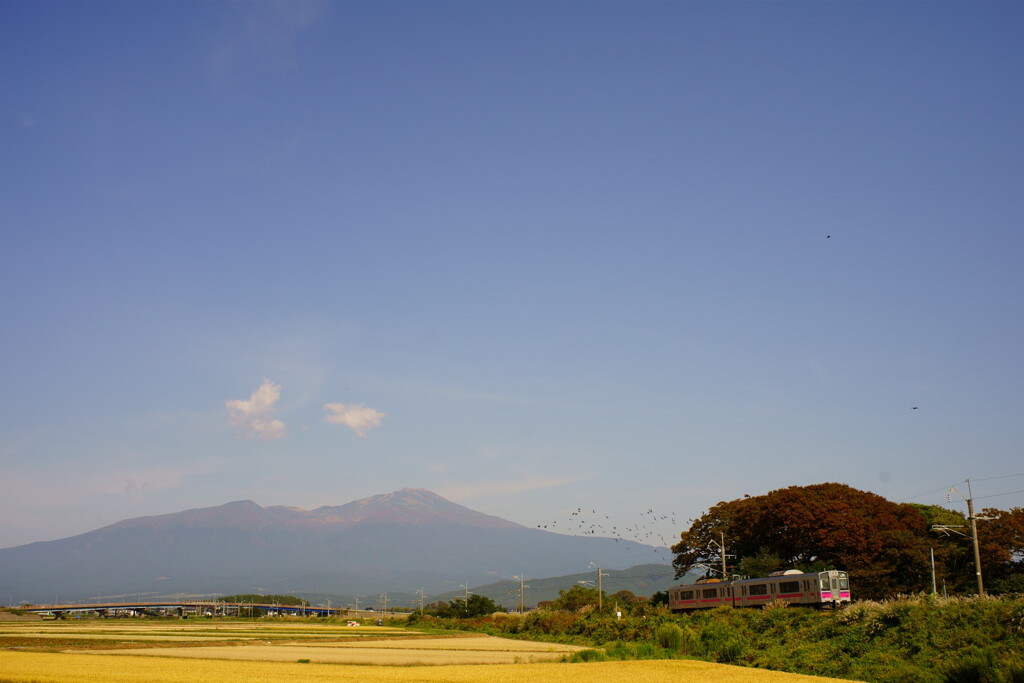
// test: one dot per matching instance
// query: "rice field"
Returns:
(271, 652)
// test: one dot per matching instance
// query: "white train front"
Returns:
(816, 589)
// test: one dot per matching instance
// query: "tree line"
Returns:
(886, 547)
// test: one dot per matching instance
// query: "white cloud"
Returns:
(358, 418)
(253, 415)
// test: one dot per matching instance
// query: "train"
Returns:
(829, 589)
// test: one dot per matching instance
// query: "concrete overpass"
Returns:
(183, 608)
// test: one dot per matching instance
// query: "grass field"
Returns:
(269, 652)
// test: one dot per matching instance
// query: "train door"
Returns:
(841, 584)
(825, 586)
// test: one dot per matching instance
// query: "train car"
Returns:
(814, 589)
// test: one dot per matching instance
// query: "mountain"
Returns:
(400, 541)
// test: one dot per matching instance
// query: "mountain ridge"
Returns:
(419, 507)
(403, 540)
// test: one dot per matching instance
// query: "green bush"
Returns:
(1015, 671)
(974, 666)
(690, 643)
(589, 656)
(722, 642)
(630, 651)
(669, 636)
(914, 639)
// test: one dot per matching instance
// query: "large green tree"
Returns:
(476, 606)
(576, 598)
(883, 545)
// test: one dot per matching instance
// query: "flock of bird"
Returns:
(595, 523)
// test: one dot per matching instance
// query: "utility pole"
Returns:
(420, 591)
(522, 592)
(721, 551)
(725, 574)
(945, 528)
(935, 592)
(600, 592)
(974, 537)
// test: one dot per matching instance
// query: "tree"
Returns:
(824, 526)
(625, 597)
(762, 563)
(460, 608)
(1001, 546)
(575, 598)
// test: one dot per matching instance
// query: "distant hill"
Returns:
(642, 580)
(401, 541)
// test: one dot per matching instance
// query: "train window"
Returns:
(789, 586)
(824, 582)
(686, 595)
(759, 589)
(710, 592)
(844, 582)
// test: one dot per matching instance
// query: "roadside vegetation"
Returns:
(916, 639)
(887, 548)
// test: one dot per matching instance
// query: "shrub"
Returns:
(589, 656)
(629, 651)
(722, 642)
(669, 636)
(974, 666)
(690, 643)
(1015, 672)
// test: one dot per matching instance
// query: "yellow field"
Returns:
(270, 652)
(195, 631)
(25, 667)
(394, 652)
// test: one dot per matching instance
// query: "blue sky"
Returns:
(531, 256)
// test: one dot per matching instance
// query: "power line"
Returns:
(1003, 476)
(996, 495)
(928, 493)
(946, 488)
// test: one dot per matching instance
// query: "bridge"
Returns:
(184, 608)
